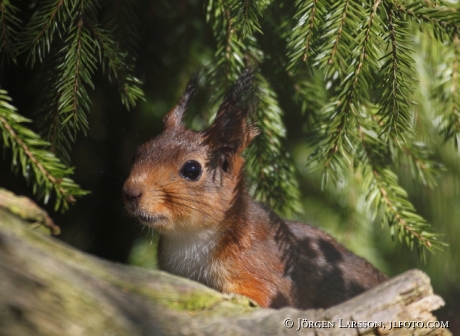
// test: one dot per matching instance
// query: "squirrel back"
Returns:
(189, 186)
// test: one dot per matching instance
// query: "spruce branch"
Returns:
(419, 158)
(340, 29)
(45, 170)
(219, 18)
(306, 33)
(399, 211)
(70, 33)
(120, 18)
(383, 190)
(232, 53)
(270, 168)
(245, 16)
(398, 73)
(361, 46)
(115, 63)
(51, 121)
(271, 171)
(309, 91)
(337, 142)
(79, 64)
(447, 93)
(74, 65)
(445, 20)
(38, 35)
(10, 25)
(364, 51)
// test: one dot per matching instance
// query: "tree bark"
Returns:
(50, 288)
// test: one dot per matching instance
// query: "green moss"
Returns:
(193, 302)
(144, 252)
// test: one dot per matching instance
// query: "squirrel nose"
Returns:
(132, 194)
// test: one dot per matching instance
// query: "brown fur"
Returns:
(212, 231)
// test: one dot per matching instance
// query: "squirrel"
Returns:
(189, 187)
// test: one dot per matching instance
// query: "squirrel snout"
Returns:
(132, 195)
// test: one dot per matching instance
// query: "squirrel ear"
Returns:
(231, 128)
(174, 117)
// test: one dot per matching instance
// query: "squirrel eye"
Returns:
(191, 170)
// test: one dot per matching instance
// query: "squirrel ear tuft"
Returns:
(174, 118)
(231, 128)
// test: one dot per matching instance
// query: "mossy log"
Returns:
(49, 288)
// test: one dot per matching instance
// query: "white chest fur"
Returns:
(191, 255)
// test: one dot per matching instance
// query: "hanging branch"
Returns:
(230, 52)
(79, 64)
(396, 83)
(271, 172)
(351, 134)
(64, 36)
(39, 33)
(340, 30)
(10, 25)
(41, 168)
(120, 19)
(270, 169)
(80, 46)
(310, 92)
(245, 16)
(447, 93)
(338, 143)
(76, 63)
(306, 33)
(419, 158)
(383, 190)
(445, 20)
(116, 66)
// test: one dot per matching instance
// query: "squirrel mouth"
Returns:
(150, 219)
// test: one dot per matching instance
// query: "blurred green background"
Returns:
(174, 39)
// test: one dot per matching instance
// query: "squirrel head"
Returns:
(184, 180)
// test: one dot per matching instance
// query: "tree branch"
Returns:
(49, 288)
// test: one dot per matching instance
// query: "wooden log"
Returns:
(50, 288)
